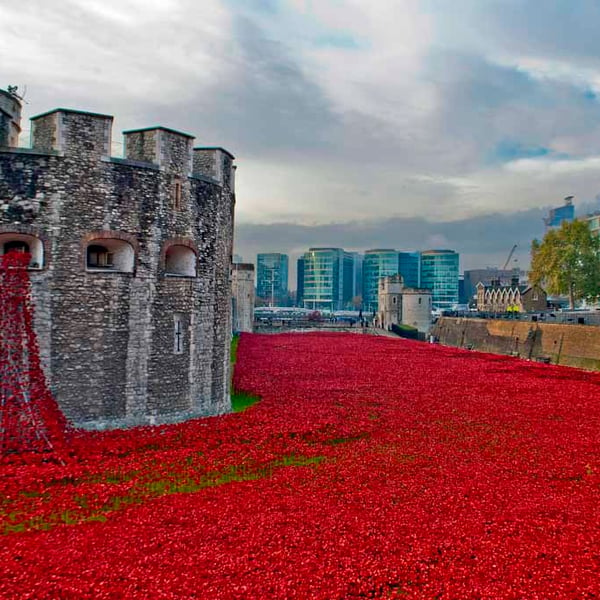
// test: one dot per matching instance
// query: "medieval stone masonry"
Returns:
(242, 283)
(130, 266)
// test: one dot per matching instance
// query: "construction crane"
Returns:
(510, 255)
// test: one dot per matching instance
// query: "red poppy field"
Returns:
(372, 468)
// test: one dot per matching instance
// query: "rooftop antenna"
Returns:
(13, 91)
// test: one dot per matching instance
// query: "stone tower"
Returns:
(416, 308)
(130, 266)
(390, 300)
(10, 118)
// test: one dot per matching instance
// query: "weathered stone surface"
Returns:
(242, 297)
(561, 344)
(107, 337)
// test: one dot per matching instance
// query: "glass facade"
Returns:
(328, 279)
(409, 266)
(300, 282)
(272, 277)
(357, 276)
(376, 264)
(593, 221)
(439, 273)
(556, 216)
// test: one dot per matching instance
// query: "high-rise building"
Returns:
(357, 277)
(593, 221)
(300, 282)
(376, 264)
(327, 279)
(439, 273)
(409, 266)
(556, 216)
(272, 277)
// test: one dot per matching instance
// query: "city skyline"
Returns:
(492, 111)
(362, 279)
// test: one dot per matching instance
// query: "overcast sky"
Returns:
(358, 123)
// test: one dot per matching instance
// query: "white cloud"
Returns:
(337, 110)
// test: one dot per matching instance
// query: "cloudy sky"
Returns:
(357, 123)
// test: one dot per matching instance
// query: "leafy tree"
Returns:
(567, 261)
(357, 302)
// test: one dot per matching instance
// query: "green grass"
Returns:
(405, 327)
(235, 340)
(175, 481)
(240, 401)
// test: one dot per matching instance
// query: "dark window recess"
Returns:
(16, 246)
(177, 194)
(178, 335)
(98, 257)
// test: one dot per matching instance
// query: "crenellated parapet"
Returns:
(130, 266)
(171, 150)
(73, 133)
(216, 163)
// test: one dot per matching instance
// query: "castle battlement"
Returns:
(87, 135)
(171, 150)
(130, 266)
(69, 131)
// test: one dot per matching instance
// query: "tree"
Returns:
(567, 261)
(357, 302)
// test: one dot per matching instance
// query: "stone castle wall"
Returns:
(416, 308)
(107, 336)
(570, 345)
(243, 297)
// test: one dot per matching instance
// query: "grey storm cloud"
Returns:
(399, 141)
(269, 105)
(483, 240)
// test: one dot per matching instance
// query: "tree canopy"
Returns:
(567, 262)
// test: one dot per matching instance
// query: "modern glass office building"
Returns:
(439, 273)
(557, 215)
(376, 264)
(300, 282)
(272, 277)
(357, 276)
(328, 279)
(409, 266)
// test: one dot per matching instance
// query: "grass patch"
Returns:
(241, 401)
(85, 508)
(235, 340)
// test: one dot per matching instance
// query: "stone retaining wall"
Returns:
(571, 345)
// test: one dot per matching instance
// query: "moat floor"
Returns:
(373, 467)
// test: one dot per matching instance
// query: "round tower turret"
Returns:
(10, 117)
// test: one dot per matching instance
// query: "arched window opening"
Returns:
(16, 246)
(22, 242)
(99, 257)
(180, 261)
(110, 255)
